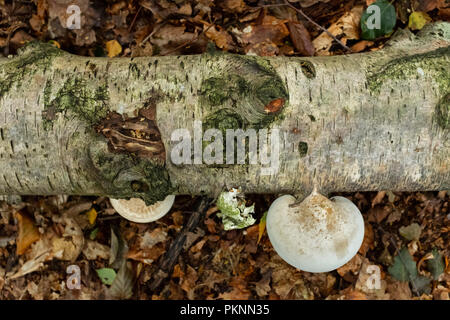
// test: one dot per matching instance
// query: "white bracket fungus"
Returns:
(136, 210)
(318, 235)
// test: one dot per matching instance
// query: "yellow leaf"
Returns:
(262, 226)
(55, 43)
(92, 215)
(418, 19)
(28, 233)
(114, 48)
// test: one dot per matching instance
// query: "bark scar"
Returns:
(138, 136)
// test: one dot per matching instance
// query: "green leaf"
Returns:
(93, 234)
(107, 275)
(436, 265)
(122, 286)
(378, 22)
(411, 232)
(417, 20)
(404, 269)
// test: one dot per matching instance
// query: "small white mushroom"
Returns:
(318, 235)
(136, 210)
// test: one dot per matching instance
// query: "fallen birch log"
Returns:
(152, 126)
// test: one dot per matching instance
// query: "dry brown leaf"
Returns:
(221, 37)
(301, 38)
(28, 233)
(352, 266)
(368, 241)
(234, 6)
(346, 28)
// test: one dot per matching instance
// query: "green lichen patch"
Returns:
(34, 57)
(126, 176)
(442, 112)
(435, 63)
(233, 210)
(77, 98)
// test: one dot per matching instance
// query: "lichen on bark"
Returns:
(34, 57)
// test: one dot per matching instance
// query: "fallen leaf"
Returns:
(92, 215)
(346, 28)
(435, 264)
(378, 198)
(28, 233)
(221, 37)
(301, 38)
(404, 269)
(411, 232)
(106, 275)
(122, 286)
(378, 23)
(262, 227)
(93, 250)
(418, 19)
(113, 48)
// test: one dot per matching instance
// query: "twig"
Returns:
(171, 256)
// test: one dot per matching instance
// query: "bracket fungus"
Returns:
(318, 235)
(136, 210)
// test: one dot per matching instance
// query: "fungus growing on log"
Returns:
(318, 235)
(136, 210)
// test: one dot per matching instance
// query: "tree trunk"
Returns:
(116, 127)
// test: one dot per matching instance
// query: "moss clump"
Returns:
(88, 104)
(125, 176)
(442, 112)
(435, 62)
(34, 57)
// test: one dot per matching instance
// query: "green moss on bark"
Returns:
(34, 57)
(126, 176)
(75, 97)
(442, 112)
(435, 62)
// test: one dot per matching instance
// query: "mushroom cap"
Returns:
(319, 235)
(136, 210)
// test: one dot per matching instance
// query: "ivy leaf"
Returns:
(122, 286)
(378, 22)
(404, 269)
(106, 275)
(436, 265)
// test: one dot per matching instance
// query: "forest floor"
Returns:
(44, 240)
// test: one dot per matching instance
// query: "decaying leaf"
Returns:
(411, 232)
(404, 269)
(122, 286)
(28, 233)
(435, 264)
(346, 28)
